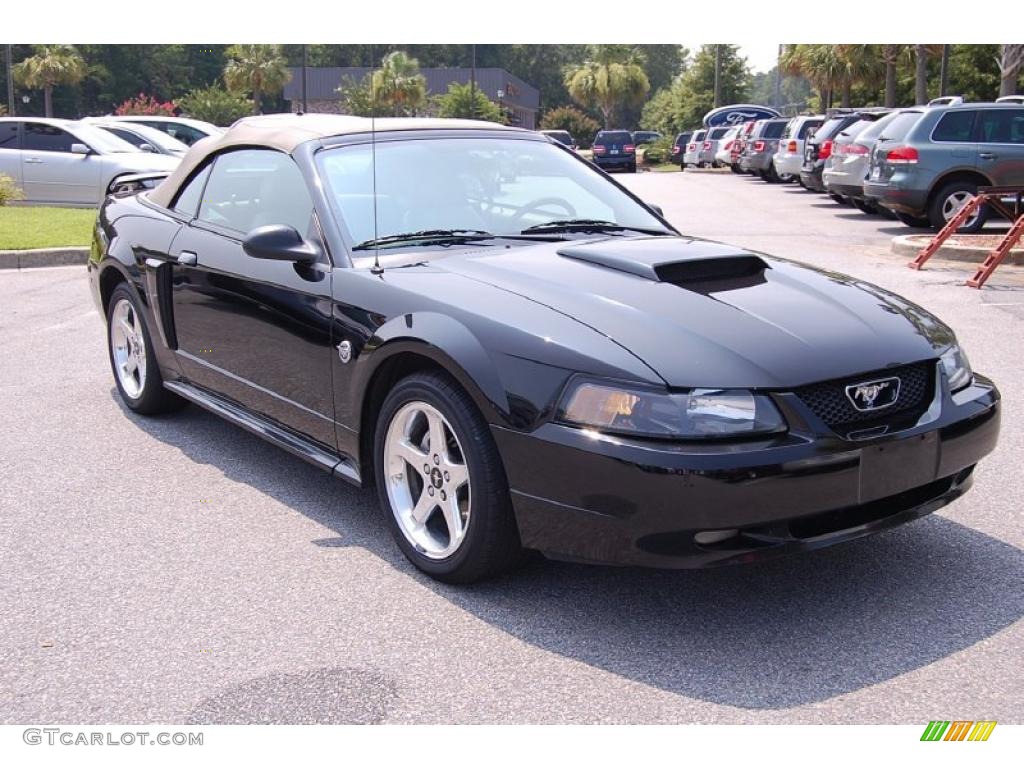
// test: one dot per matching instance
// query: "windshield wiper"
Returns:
(587, 225)
(444, 236)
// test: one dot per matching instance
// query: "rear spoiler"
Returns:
(133, 183)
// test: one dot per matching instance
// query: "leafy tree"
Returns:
(858, 65)
(398, 86)
(255, 69)
(582, 127)
(215, 105)
(684, 104)
(610, 79)
(52, 65)
(356, 98)
(466, 102)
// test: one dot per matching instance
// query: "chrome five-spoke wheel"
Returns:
(954, 202)
(128, 348)
(427, 480)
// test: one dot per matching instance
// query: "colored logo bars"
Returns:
(958, 730)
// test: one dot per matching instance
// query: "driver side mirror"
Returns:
(656, 209)
(80, 149)
(146, 148)
(279, 242)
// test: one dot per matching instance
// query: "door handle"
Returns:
(33, 160)
(188, 258)
(987, 155)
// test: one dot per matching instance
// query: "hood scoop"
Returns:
(698, 265)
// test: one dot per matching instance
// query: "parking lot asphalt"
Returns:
(180, 570)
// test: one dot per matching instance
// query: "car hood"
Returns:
(705, 314)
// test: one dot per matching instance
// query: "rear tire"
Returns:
(838, 198)
(133, 359)
(485, 541)
(949, 199)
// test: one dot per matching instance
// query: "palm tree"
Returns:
(822, 65)
(920, 74)
(255, 69)
(1010, 61)
(858, 64)
(52, 65)
(399, 85)
(891, 55)
(613, 77)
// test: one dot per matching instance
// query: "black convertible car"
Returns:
(521, 355)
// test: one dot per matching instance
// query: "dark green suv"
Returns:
(926, 165)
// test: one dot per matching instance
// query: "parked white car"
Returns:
(789, 157)
(141, 136)
(63, 162)
(184, 129)
(692, 154)
(723, 156)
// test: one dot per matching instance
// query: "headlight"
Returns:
(958, 370)
(699, 413)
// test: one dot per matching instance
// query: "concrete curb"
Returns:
(43, 257)
(911, 245)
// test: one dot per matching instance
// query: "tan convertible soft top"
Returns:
(285, 132)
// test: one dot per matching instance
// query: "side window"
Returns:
(40, 137)
(187, 201)
(251, 188)
(955, 126)
(1001, 126)
(8, 135)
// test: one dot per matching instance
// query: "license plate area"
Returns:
(890, 468)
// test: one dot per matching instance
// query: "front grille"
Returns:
(829, 402)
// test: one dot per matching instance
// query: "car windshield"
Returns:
(493, 186)
(101, 141)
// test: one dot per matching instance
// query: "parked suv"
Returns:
(679, 148)
(739, 144)
(760, 146)
(818, 147)
(709, 147)
(847, 167)
(789, 157)
(615, 149)
(61, 162)
(925, 166)
(692, 154)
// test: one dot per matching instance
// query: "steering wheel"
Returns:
(540, 202)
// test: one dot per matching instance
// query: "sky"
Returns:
(761, 56)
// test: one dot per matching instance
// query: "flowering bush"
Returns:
(146, 105)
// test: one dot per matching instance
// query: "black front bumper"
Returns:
(810, 175)
(614, 161)
(584, 497)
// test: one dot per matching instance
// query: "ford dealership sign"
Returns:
(734, 114)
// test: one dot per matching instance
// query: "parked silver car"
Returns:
(847, 166)
(141, 136)
(62, 162)
(184, 129)
(790, 154)
(709, 147)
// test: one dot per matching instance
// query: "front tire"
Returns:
(132, 357)
(448, 508)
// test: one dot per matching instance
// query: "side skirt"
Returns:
(296, 445)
